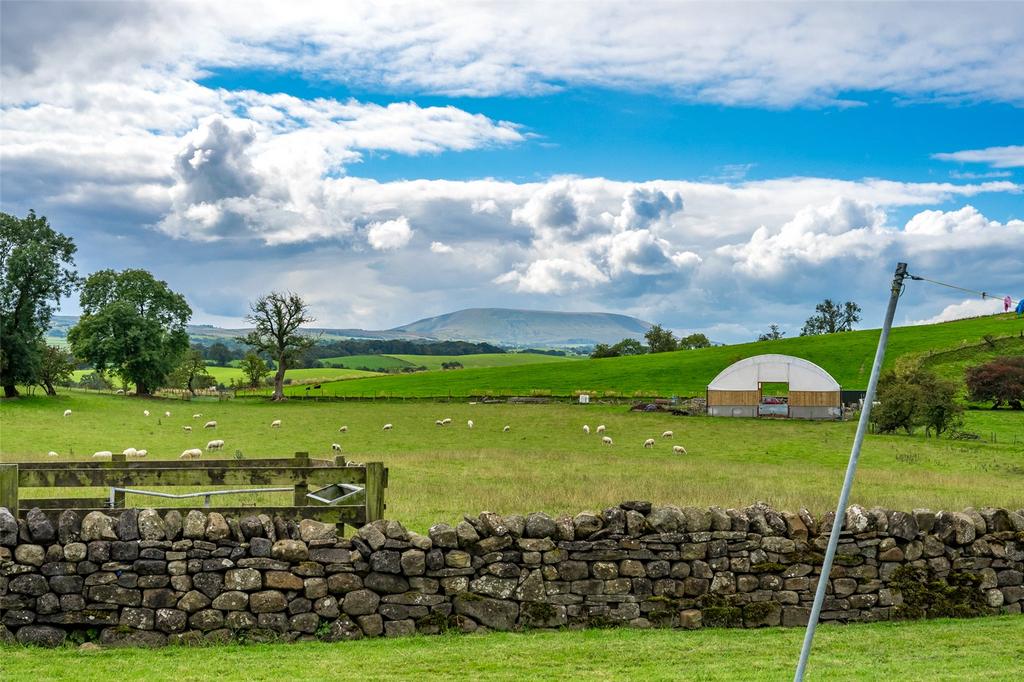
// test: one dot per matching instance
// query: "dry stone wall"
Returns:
(150, 579)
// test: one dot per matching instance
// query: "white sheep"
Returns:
(649, 443)
(606, 440)
(186, 429)
(119, 391)
(141, 453)
(167, 413)
(437, 422)
(276, 424)
(469, 423)
(51, 453)
(507, 428)
(388, 427)
(586, 429)
(601, 428)
(667, 434)
(197, 415)
(67, 413)
(103, 454)
(446, 421)
(212, 424)
(145, 413)
(679, 449)
(192, 453)
(215, 445)
(129, 452)
(343, 429)
(336, 447)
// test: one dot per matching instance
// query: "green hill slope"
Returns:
(528, 327)
(846, 356)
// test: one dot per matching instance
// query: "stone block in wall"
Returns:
(494, 613)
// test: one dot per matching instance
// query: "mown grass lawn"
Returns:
(545, 462)
(941, 650)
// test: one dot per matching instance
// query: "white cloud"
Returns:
(972, 307)
(389, 235)
(1011, 156)
(553, 276)
(440, 247)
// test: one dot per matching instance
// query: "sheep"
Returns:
(437, 422)
(141, 453)
(679, 449)
(67, 413)
(507, 428)
(51, 453)
(336, 447)
(649, 443)
(667, 434)
(215, 445)
(193, 453)
(606, 440)
(145, 413)
(343, 429)
(197, 415)
(129, 452)
(212, 424)
(601, 428)
(276, 424)
(186, 429)
(167, 413)
(388, 427)
(119, 391)
(446, 421)
(103, 454)
(586, 429)
(469, 423)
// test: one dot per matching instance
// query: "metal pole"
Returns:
(851, 469)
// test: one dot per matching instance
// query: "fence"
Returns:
(363, 501)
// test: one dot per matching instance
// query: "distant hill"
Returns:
(498, 326)
(512, 327)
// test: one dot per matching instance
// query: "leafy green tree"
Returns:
(1000, 380)
(660, 340)
(254, 369)
(55, 367)
(220, 354)
(36, 270)
(694, 341)
(831, 317)
(909, 398)
(629, 347)
(132, 325)
(277, 318)
(191, 373)
(773, 334)
(603, 350)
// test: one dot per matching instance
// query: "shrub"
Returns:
(915, 397)
(999, 381)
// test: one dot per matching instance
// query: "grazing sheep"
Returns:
(141, 453)
(343, 429)
(212, 424)
(197, 415)
(606, 440)
(167, 413)
(215, 445)
(601, 428)
(586, 429)
(446, 421)
(103, 454)
(336, 447)
(51, 453)
(129, 452)
(649, 443)
(388, 427)
(67, 413)
(276, 424)
(119, 391)
(186, 429)
(438, 422)
(679, 449)
(193, 453)
(145, 413)
(667, 434)
(507, 428)
(469, 423)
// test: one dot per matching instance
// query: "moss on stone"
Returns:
(768, 567)
(534, 612)
(927, 595)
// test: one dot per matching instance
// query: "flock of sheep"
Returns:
(218, 444)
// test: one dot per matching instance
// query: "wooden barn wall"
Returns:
(814, 398)
(732, 397)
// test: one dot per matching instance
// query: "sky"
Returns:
(714, 167)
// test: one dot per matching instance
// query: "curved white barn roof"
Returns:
(800, 374)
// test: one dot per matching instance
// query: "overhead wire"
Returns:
(983, 294)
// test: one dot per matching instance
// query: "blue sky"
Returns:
(714, 167)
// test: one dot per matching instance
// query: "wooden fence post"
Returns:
(9, 487)
(299, 500)
(376, 482)
(118, 495)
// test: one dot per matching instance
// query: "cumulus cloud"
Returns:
(641, 253)
(1011, 156)
(389, 235)
(553, 276)
(972, 307)
(440, 247)
(643, 206)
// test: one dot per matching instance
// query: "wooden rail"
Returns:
(301, 472)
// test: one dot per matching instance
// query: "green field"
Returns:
(380, 363)
(545, 462)
(224, 375)
(933, 651)
(483, 359)
(846, 356)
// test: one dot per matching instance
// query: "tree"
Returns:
(1000, 380)
(254, 369)
(773, 334)
(36, 270)
(603, 350)
(191, 373)
(660, 340)
(55, 366)
(909, 398)
(133, 325)
(629, 347)
(694, 341)
(831, 318)
(277, 318)
(220, 354)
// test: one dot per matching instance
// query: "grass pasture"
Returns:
(545, 462)
(931, 651)
(377, 363)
